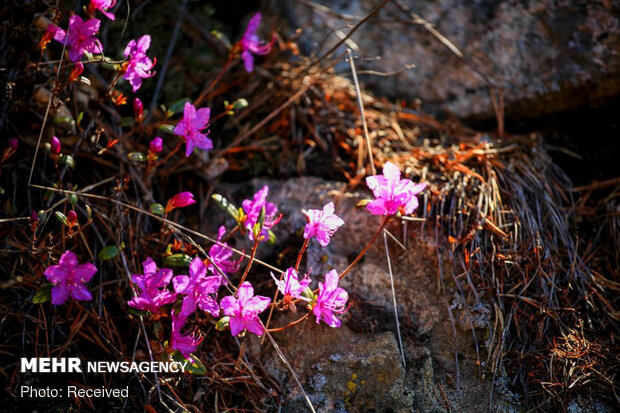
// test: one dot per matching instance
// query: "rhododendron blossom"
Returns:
(243, 311)
(185, 344)
(190, 127)
(180, 200)
(152, 284)
(197, 289)
(103, 6)
(69, 278)
(252, 209)
(322, 224)
(220, 256)
(331, 299)
(139, 65)
(392, 194)
(251, 45)
(290, 285)
(79, 37)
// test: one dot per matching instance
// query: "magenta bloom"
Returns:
(252, 45)
(243, 311)
(180, 200)
(55, 145)
(103, 6)
(69, 278)
(197, 289)
(186, 344)
(252, 209)
(331, 299)
(152, 284)
(290, 284)
(139, 65)
(156, 146)
(322, 224)
(221, 256)
(138, 109)
(80, 37)
(392, 193)
(190, 127)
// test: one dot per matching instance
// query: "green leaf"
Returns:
(227, 206)
(65, 159)
(109, 252)
(61, 217)
(137, 156)
(166, 127)
(135, 312)
(157, 209)
(272, 237)
(43, 295)
(178, 260)
(196, 367)
(177, 106)
(79, 118)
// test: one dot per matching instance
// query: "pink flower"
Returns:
(331, 299)
(252, 45)
(69, 278)
(152, 284)
(252, 209)
(190, 126)
(392, 193)
(156, 146)
(139, 65)
(55, 145)
(220, 256)
(180, 200)
(197, 289)
(79, 38)
(103, 6)
(185, 344)
(243, 311)
(13, 144)
(290, 285)
(322, 224)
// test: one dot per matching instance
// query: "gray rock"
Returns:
(549, 56)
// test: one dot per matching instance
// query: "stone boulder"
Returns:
(547, 56)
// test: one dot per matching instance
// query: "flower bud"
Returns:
(76, 71)
(13, 144)
(55, 145)
(180, 200)
(34, 217)
(138, 109)
(156, 145)
(72, 218)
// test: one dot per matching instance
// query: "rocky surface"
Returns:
(358, 367)
(548, 56)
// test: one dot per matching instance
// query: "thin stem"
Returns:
(278, 329)
(208, 89)
(247, 269)
(301, 253)
(366, 248)
(175, 150)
